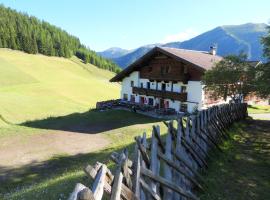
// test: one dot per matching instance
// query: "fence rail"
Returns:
(164, 167)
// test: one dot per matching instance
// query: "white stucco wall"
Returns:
(144, 82)
(126, 84)
(194, 90)
(177, 87)
(175, 105)
(194, 95)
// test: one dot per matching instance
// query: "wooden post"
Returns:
(118, 178)
(168, 194)
(99, 183)
(137, 173)
(154, 166)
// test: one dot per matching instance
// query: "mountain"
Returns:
(230, 39)
(37, 86)
(18, 31)
(114, 52)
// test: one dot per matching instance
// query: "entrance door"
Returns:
(161, 103)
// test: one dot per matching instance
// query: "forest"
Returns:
(19, 31)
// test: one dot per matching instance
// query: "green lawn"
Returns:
(243, 170)
(36, 86)
(256, 109)
(55, 178)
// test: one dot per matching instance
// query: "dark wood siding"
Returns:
(161, 67)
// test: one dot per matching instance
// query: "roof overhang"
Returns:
(138, 63)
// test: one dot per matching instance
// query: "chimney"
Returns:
(213, 50)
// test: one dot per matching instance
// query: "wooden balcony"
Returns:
(160, 94)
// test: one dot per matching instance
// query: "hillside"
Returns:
(38, 86)
(27, 33)
(229, 39)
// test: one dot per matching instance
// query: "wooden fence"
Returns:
(164, 167)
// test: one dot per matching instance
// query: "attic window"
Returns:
(165, 70)
(185, 69)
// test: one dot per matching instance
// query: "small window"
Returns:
(163, 86)
(148, 85)
(183, 88)
(150, 101)
(125, 97)
(185, 69)
(150, 69)
(141, 85)
(183, 107)
(132, 83)
(165, 70)
(162, 70)
(132, 98)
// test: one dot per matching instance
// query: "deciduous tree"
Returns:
(231, 77)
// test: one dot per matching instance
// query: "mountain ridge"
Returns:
(230, 39)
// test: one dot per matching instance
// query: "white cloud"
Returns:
(179, 37)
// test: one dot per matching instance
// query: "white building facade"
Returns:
(161, 80)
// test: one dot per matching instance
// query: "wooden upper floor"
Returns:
(170, 64)
(163, 68)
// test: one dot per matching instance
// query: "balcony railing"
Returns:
(160, 94)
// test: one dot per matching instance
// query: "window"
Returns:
(125, 97)
(141, 85)
(163, 86)
(183, 107)
(165, 70)
(150, 101)
(185, 69)
(150, 69)
(132, 83)
(167, 104)
(162, 71)
(132, 98)
(183, 89)
(148, 85)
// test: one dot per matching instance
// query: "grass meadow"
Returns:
(42, 95)
(36, 86)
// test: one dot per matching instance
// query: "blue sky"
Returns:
(101, 24)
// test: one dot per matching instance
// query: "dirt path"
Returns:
(22, 150)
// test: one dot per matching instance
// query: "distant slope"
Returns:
(130, 55)
(229, 39)
(19, 31)
(129, 58)
(38, 86)
(114, 52)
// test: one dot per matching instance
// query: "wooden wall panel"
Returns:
(153, 70)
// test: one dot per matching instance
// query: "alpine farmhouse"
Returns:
(168, 78)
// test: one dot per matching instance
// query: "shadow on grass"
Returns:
(37, 173)
(92, 122)
(243, 170)
(253, 107)
(40, 172)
